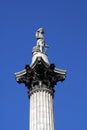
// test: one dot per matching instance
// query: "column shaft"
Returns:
(41, 111)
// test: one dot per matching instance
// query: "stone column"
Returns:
(40, 78)
(41, 109)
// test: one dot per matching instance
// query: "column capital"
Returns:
(38, 73)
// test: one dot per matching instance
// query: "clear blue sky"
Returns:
(65, 24)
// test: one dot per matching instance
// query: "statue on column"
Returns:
(40, 40)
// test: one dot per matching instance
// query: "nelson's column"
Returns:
(40, 77)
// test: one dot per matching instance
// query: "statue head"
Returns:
(41, 30)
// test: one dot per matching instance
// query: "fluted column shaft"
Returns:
(41, 111)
